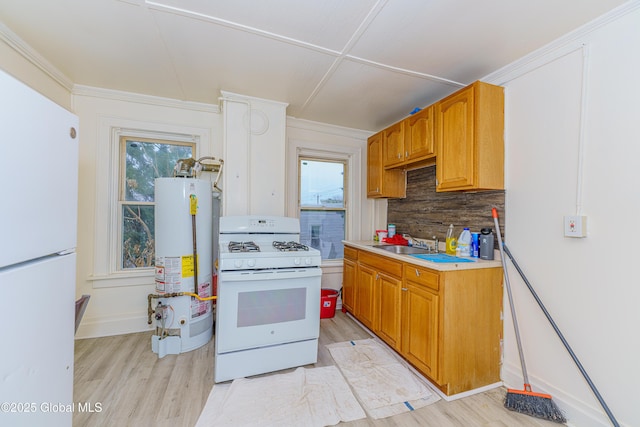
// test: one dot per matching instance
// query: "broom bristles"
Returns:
(537, 405)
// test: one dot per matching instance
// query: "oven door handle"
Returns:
(275, 274)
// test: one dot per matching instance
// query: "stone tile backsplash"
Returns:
(425, 213)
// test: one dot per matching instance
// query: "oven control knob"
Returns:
(296, 261)
(307, 261)
(251, 263)
(238, 263)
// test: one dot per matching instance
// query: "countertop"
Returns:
(366, 245)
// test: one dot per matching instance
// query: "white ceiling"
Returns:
(357, 63)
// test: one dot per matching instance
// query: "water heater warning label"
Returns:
(187, 266)
(169, 274)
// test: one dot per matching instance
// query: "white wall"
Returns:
(572, 147)
(254, 155)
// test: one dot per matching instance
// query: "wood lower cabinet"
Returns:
(420, 319)
(349, 278)
(447, 324)
(366, 278)
(378, 296)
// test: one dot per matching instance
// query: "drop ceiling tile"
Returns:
(208, 58)
(371, 98)
(327, 23)
(466, 40)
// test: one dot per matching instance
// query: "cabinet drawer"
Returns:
(350, 253)
(381, 263)
(422, 276)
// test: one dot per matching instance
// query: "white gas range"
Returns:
(268, 306)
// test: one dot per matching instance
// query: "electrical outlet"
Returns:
(575, 226)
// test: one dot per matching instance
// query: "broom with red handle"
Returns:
(524, 401)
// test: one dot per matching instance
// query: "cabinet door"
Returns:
(455, 141)
(389, 304)
(420, 328)
(393, 144)
(418, 135)
(374, 165)
(382, 182)
(364, 298)
(348, 284)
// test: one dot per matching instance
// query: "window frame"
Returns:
(338, 144)
(345, 192)
(121, 197)
(106, 217)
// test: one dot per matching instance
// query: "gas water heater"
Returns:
(185, 213)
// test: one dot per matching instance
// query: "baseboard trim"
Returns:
(97, 327)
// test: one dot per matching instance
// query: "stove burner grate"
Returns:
(290, 246)
(243, 247)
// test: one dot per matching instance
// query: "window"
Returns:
(322, 205)
(142, 160)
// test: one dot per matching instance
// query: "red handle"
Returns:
(494, 212)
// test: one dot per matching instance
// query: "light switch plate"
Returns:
(575, 226)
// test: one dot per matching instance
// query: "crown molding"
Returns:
(27, 52)
(117, 95)
(309, 125)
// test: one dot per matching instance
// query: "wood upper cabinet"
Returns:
(380, 181)
(410, 142)
(419, 138)
(393, 145)
(470, 139)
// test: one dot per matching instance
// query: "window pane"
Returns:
(144, 162)
(138, 241)
(323, 230)
(321, 183)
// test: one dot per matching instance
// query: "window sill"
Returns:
(124, 279)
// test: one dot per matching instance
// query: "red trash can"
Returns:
(328, 298)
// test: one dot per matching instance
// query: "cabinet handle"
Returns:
(399, 155)
(377, 276)
(417, 273)
(404, 289)
(406, 154)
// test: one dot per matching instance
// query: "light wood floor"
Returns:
(135, 388)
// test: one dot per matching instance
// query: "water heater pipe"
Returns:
(173, 295)
(193, 209)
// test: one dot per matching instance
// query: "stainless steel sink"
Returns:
(400, 249)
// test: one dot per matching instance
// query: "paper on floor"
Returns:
(382, 384)
(313, 397)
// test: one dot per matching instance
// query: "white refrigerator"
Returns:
(38, 230)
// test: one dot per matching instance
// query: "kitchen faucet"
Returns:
(423, 243)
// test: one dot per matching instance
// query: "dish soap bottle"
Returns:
(464, 242)
(451, 242)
